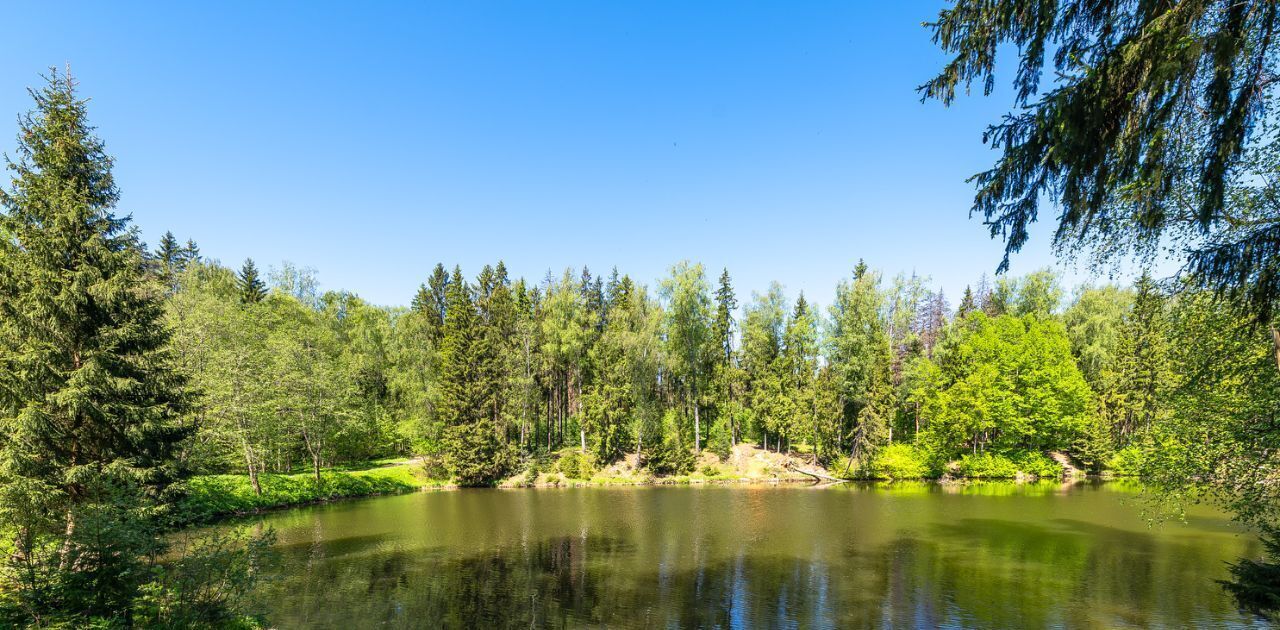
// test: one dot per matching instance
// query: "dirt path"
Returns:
(1068, 469)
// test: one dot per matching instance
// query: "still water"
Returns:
(897, 555)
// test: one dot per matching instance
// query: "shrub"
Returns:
(434, 467)
(710, 470)
(987, 465)
(1037, 464)
(667, 458)
(1126, 462)
(576, 465)
(990, 465)
(901, 461)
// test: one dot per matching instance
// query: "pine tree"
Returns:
(726, 377)
(252, 288)
(169, 261)
(421, 300)
(967, 304)
(88, 396)
(722, 325)
(1143, 361)
(474, 453)
(800, 364)
(437, 302)
(190, 254)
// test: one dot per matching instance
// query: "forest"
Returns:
(484, 376)
(137, 379)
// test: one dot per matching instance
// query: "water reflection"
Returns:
(739, 558)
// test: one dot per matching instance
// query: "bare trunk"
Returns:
(252, 468)
(65, 560)
(1275, 338)
(697, 427)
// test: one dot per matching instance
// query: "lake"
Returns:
(889, 555)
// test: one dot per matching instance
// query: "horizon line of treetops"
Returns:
(480, 375)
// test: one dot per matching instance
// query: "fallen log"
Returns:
(818, 476)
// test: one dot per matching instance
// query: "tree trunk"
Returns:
(1275, 338)
(697, 427)
(253, 470)
(65, 559)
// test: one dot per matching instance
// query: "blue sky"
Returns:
(368, 140)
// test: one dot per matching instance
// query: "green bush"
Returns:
(1037, 465)
(901, 461)
(987, 465)
(1127, 462)
(576, 465)
(990, 465)
(667, 458)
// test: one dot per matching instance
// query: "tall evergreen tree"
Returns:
(88, 397)
(474, 453)
(437, 306)
(726, 378)
(252, 288)
(169, 260)
(1143, 361)
(967, 303)
(190, 253)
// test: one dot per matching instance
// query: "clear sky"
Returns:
(369, 140)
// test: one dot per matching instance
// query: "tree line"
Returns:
(483, 375)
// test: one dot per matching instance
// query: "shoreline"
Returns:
(218, 498)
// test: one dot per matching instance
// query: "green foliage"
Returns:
(89, 398)
(987, 465)
(1037, 464)
(218, 495)
(1008, 383)
(668, 458)
(252, 288)
(1256, 583)
(207, 581)
(576, 465)
(902, 461)
(1190, 82)
(860, 359)
(991, 465)
(1127, 462)
(91, 435)
(1214, 430)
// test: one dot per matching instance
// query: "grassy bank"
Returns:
(212, 496)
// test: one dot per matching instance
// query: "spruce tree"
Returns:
(421, 300)
(967, 304)
(474, 454)
(252, 288)
(436, 306)
(190, 253)
(168, 258)
(1143, 361)
(722, 326)
(88, 398)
